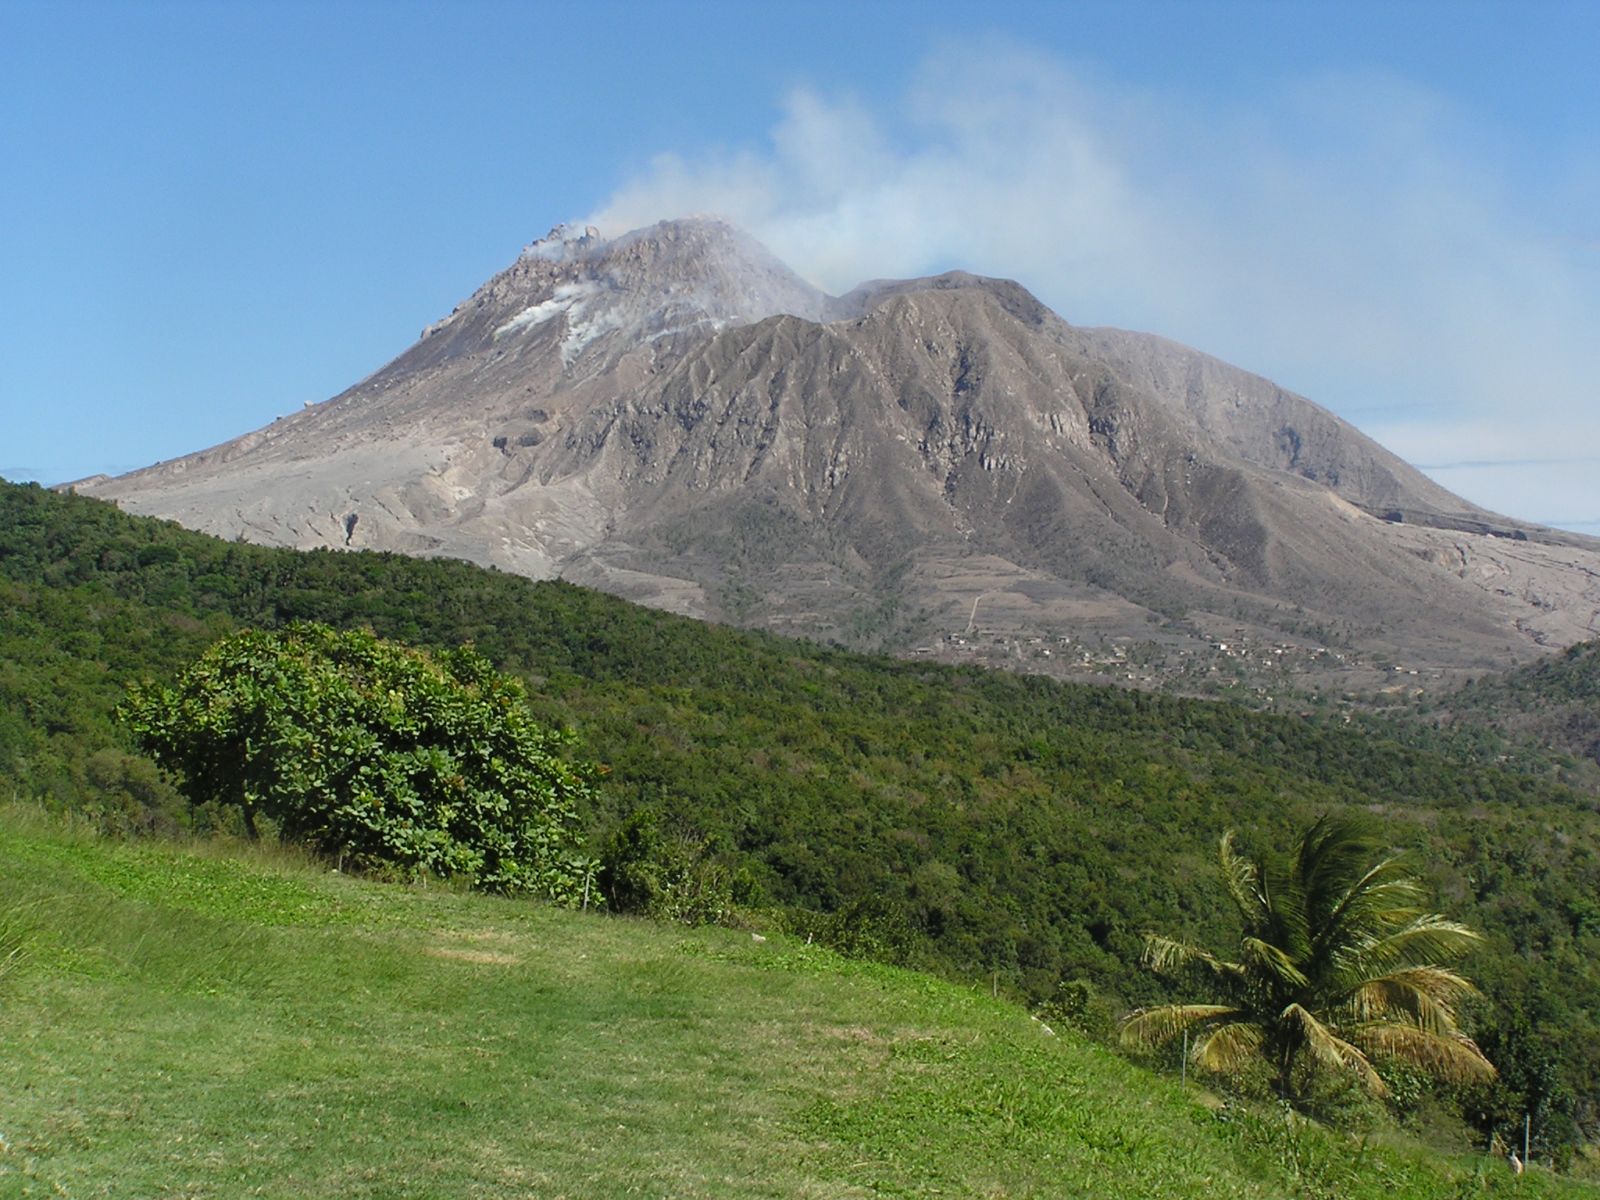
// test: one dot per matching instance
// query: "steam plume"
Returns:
(1347, 237)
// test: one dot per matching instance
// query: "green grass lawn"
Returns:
(201, 1021)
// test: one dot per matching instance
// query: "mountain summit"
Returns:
(941, 465)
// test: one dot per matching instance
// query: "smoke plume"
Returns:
(1356, 238)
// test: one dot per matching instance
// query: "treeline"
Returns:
(964, 820)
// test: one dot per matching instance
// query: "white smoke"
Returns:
(1355, 238)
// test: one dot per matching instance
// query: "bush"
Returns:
(868, 928)
(670, 876)
(1076, 1004)
(378, 753)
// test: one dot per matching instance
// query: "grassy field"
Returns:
(201, 1021)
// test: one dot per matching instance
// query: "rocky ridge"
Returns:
(940, 466)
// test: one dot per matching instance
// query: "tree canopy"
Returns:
(1340, 969)
(374, 751)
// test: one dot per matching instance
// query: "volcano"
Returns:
(939, 466)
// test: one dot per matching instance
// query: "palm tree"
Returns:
(1340, 965)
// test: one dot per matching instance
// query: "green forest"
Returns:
(972, 823)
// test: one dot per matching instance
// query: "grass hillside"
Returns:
(189, 1021)
(976, 823)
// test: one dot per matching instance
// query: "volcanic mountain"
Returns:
(937, 465)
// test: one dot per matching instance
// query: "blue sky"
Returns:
(213, 213)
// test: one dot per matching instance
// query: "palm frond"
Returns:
(1331, 855)
(1330, 1051)
(1426, 940)
(1166, 955)
(1156, 1026)
(1226, 1048)
(1243, 881)
(1273, 959)
(1441, 983)
(1452, 1057)
(1420, 998)
(1438, 984)
(1381, 899)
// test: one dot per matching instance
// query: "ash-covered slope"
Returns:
(420, 456)
(675, 416)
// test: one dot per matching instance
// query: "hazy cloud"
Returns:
(1355, 238)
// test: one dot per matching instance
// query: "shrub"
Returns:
(670, 876)
(376, 752)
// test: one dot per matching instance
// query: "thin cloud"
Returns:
(1347, 236)
(1489, 463)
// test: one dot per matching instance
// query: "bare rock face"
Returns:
(938, 465)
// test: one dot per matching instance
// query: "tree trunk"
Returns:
(246, 809)
(1284, 1083)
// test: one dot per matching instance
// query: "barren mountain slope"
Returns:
(675, 417)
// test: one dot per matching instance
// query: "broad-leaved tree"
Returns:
(375, 752)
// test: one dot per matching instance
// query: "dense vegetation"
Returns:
(970, 821)
(1554, 703)
(379, 754)
(213, 1022)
